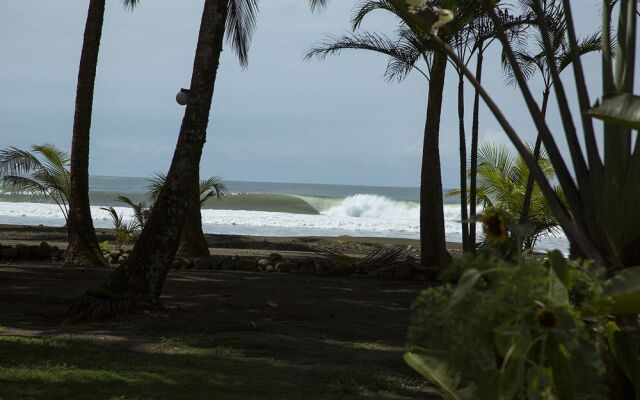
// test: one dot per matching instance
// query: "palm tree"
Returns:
(141, 277)
(477, 37)
(502, 183)
(531, 63)
(43, 170)
(83, 249)
(193, 243)
(411, 45)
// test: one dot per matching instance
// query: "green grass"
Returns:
(227, 366)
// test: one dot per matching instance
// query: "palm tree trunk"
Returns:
(475, 129)
(141, 277)
(193, 243)
(432, 235)
(83, 249)
(463, 166)
(526, 203)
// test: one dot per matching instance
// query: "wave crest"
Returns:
(373, 206)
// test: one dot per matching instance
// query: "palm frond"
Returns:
(403, 53)
(17, 161)
(156, 182)
(213, 186)
(365, 7)
(130, 4)
(241, 23)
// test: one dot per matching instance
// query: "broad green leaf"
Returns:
(558, 292)
(560, 266)
(509, 339)
(440, 375)
(621, 294)
(623, 353)
(467, 281)
(622, 109)
(560, 362)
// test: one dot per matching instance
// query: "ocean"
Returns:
(268, 209)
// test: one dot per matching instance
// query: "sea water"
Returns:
(267, 209)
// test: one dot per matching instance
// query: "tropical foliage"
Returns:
(525, 331)
(124, 231)
(600, 217)
(502, 183)
(44, 170)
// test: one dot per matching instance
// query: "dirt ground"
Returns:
(34, 298)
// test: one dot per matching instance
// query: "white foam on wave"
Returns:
(358, 215)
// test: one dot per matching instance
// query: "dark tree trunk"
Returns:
(141, 277)
(466, 247)
(526, 202)
(83, 249)
(432, 235)
(475, 128)
(193, 243)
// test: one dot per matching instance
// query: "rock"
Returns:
(179, 263)
(56, 252)
(201, 263)
(274, 258)
(246, 264)
(27, 252)
(9, 253)
(339, 270)
(285, 266)
(270, 268)
(44, 250)
(405, 271)
(386, 272)
(121, 259)
(264, 262)
(227, 263)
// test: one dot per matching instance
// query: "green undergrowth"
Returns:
(227, 366)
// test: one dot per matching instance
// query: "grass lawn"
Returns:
(220, 335)
(224, 366)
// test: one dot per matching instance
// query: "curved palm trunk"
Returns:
(526, 203)
(83, 249)
(141, 277)
(463, 166)
(432, 235)
(193, 243)
(475, 129)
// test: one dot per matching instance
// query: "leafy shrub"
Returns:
(510, 331)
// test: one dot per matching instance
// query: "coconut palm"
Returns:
(83, 249)
(476, 36)
(536, 61)
(141, 277)
(502, 183)
(407, 51)
(43, 170)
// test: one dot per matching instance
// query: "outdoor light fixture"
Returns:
(183, 96)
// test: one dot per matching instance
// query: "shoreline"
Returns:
(226, 244)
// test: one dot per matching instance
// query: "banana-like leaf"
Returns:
(621, 109)
(621, 294)
(467, 281)
(624, 355)
(439, 374)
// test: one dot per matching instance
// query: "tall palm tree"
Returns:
(536, 61)
(141, 277)
(83, 249)
(479, 35)
(411, 45)
(43, 170)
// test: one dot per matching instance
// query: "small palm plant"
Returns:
(502, 183)
(123, 231)
(44, 170)
(210, 187)
(140, 210)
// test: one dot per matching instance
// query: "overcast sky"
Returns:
(283, 119)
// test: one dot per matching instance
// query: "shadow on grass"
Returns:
(226, 366)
